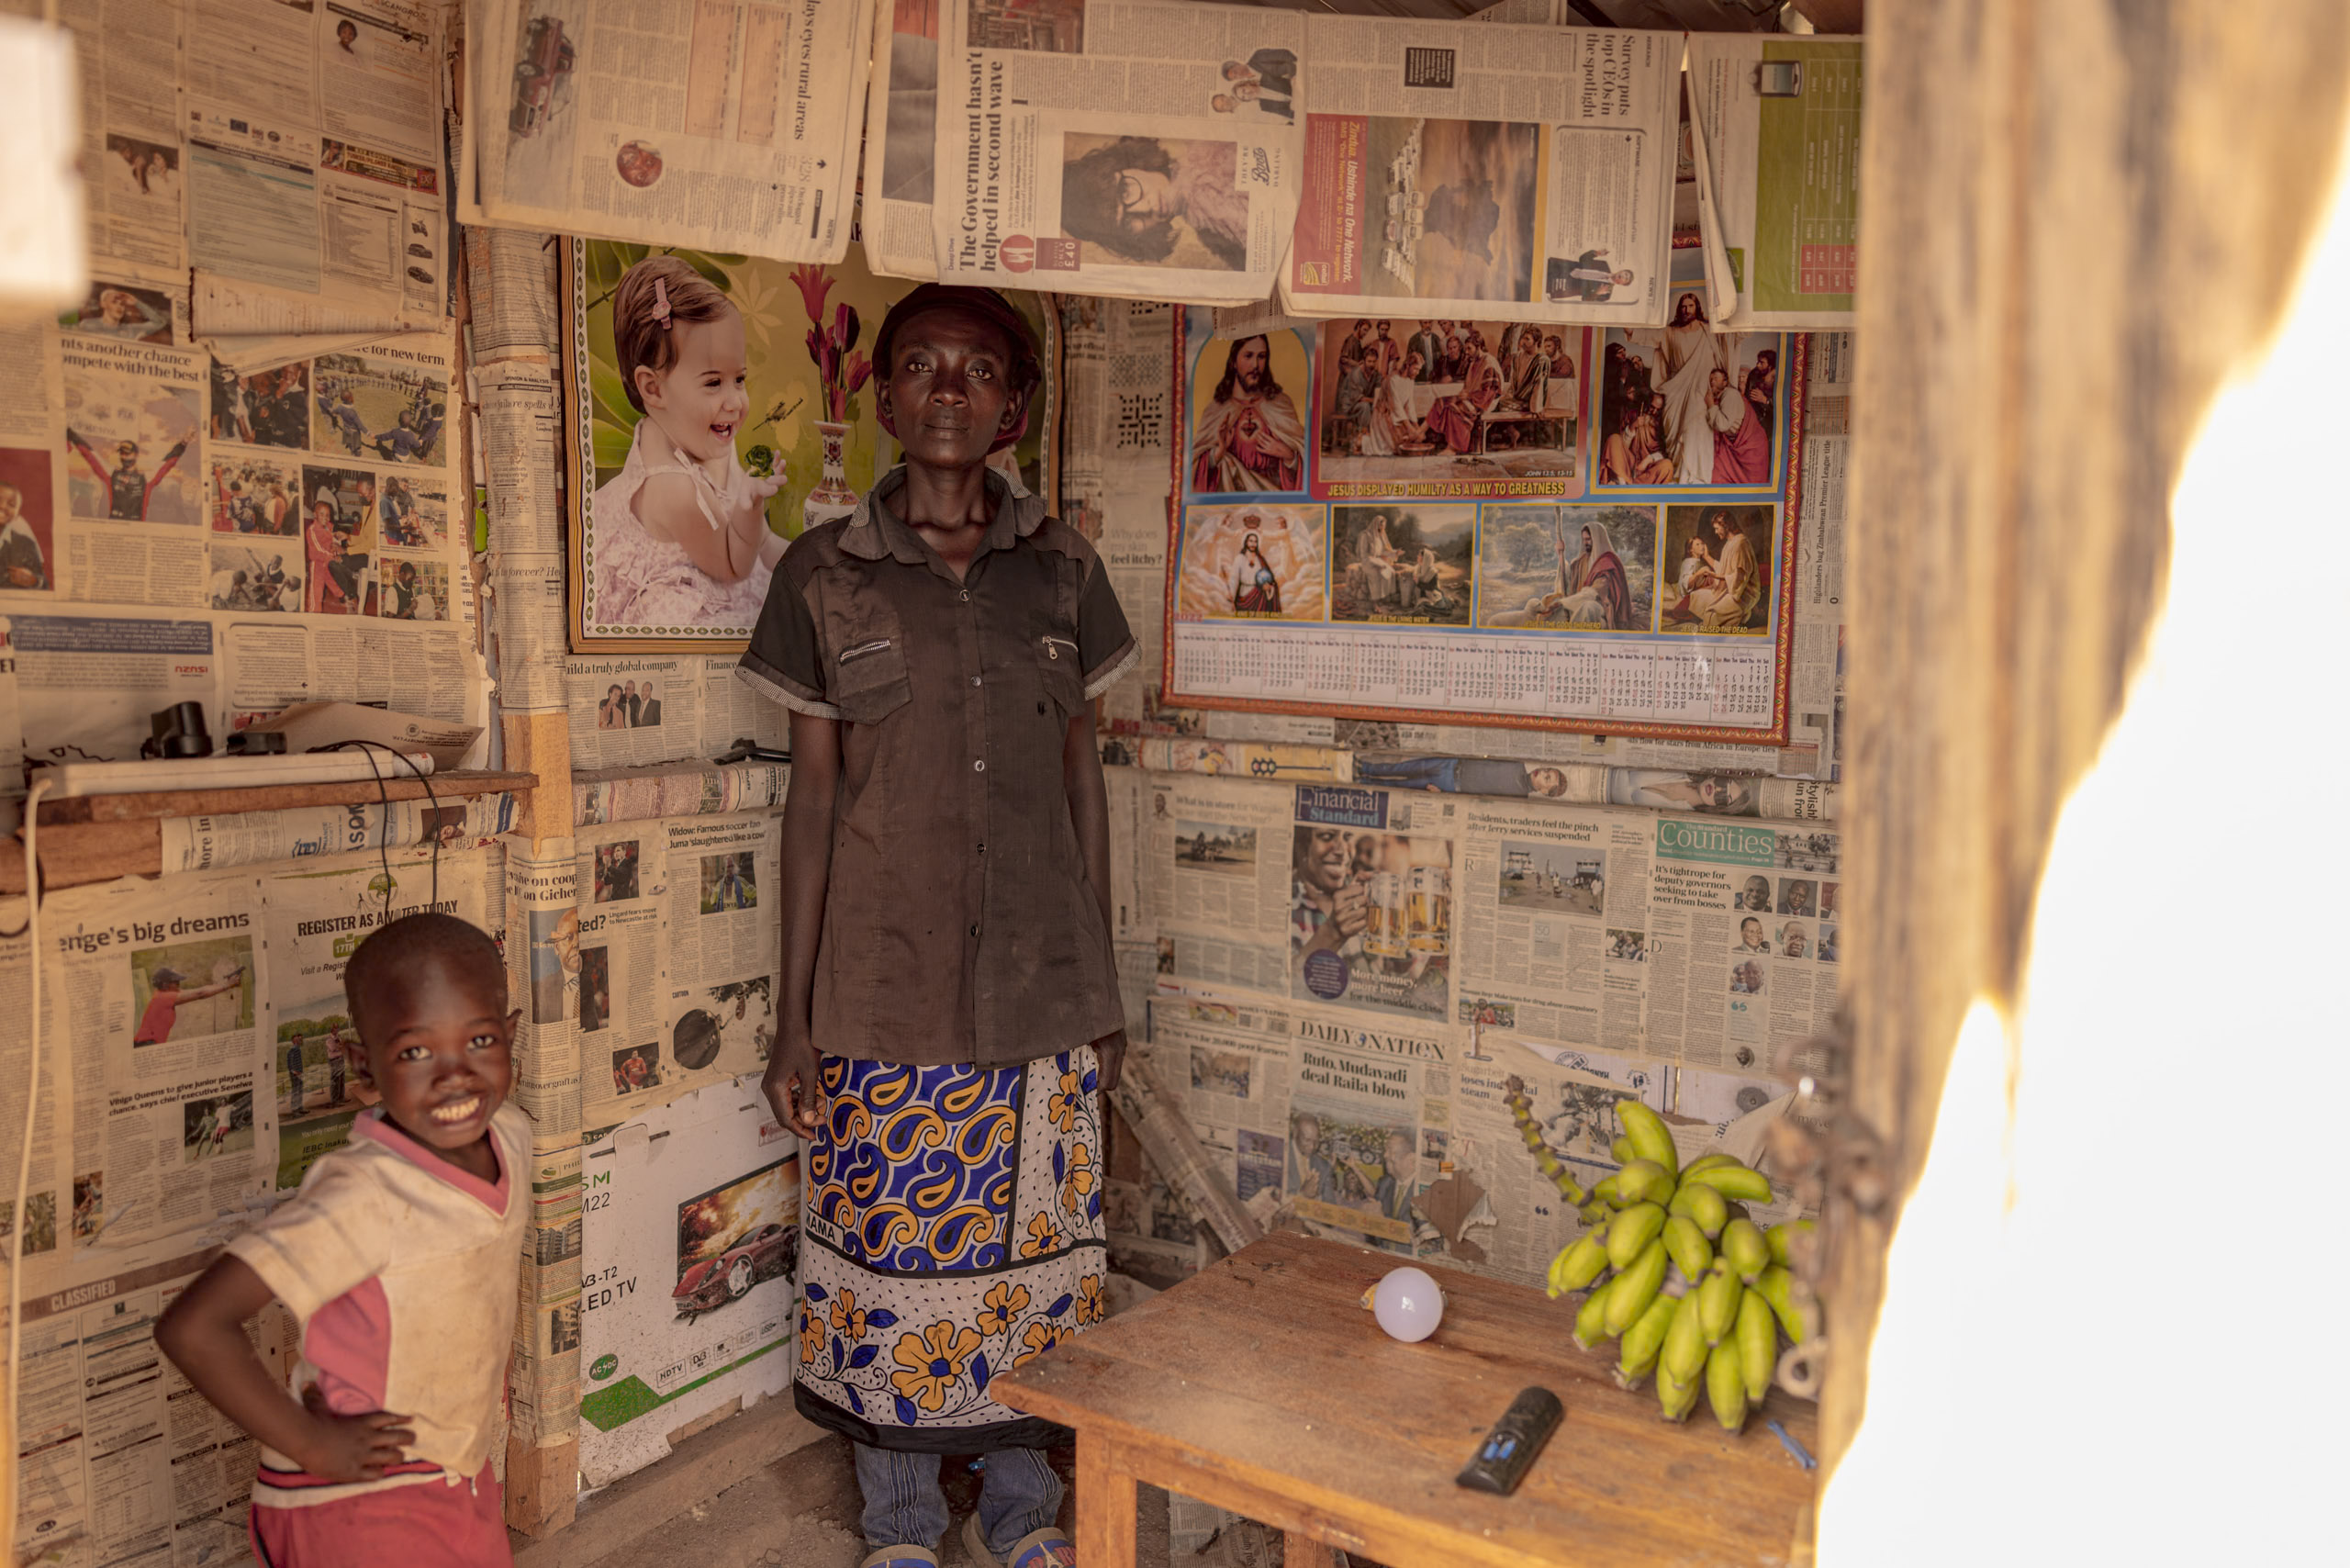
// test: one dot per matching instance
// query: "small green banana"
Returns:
(1642, 1342)
(1780, 1235)
(1676, 1397)
(1635, 1288)
(1743, 1245)
(1622, 1152)
(1576, 1266)
(1684, 1355)
(1590, 1318)
(1603, 1192)
(1707, 1163)
(1758, 1344)
(1649, 1138)
(1718, 1301)
(1687, 1246)
(1726, 1385)
(1735, 1182)
(1706, 1208)
(1644, 1181)
(1791, 1303)
(1630, 1232)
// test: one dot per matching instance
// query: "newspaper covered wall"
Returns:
(1115, 435)
(289, 155)
(175, 532)
(901, 140)
(721, 128)
(1509, 173)
(628, 711)
(1777, 144)
(680, 934)
(1109, 147)
(1698, 939)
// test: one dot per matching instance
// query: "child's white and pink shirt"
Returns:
(402, 1269)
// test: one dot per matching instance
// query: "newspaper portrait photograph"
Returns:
(719, 405)
(131, 451)
(28, 526)
(1255, 562)
(1249, 402)
(122, 312)
(1406, 401)
(1720, 559)
(1406, 563)
(1154, 201)
(1567, 568)
(1683, 405)
(1371, 919)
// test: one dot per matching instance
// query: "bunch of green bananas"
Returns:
(1678, 1273)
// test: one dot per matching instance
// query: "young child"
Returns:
(681, 531)
(947, 954)
(399, 1258)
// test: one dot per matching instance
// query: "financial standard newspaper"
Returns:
(1518, 173)
(730, 129)
(1146, 152)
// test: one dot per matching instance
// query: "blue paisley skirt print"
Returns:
(952, 1229)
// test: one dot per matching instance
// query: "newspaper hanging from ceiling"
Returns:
(1777, 124)
(1515, 172)
(718, 127)
(1139, 151)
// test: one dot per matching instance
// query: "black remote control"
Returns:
(1509, 1450)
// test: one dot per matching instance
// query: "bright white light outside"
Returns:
(2143, 1361)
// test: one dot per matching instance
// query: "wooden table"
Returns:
(1262, 1386)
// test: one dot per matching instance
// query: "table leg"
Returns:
(1304, 1551)
(1105, 1506)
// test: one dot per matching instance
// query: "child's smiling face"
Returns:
(440, 1049)
(699, 402)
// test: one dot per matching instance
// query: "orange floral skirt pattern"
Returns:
(953, 1228)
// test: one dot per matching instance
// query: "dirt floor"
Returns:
(801, 1512)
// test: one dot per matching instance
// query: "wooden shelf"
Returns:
(456, 785)
(97, 838)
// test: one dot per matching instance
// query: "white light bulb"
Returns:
(1408, 1305)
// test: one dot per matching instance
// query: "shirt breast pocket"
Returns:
(1057, 668)
(869, 679)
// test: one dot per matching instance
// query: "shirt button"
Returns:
(965, 596)
(983, 849)
(979, 766)
(975, 928)
(974, 680)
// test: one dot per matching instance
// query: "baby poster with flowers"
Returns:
(717, 407)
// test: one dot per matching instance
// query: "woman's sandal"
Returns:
(901, 1557)
(1047, 1548)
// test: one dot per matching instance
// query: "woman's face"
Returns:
(949, 390)
(699, 402)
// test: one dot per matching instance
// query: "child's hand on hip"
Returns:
(353, 1447)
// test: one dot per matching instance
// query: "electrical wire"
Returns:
(17, 1215)
(384, 833)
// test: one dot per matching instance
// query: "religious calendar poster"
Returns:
(1475, 522)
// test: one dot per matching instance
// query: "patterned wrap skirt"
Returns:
(952, 1229)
